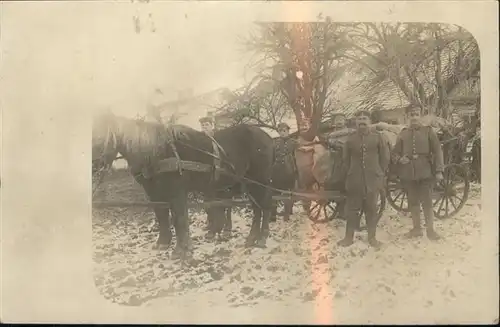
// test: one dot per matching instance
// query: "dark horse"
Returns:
(243, 153)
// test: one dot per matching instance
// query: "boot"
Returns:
(431, 233)
(274, 212)
(372, 239)
(429, 222)
(341, 210)
(348, 240)
(416, 231)
(288, 211)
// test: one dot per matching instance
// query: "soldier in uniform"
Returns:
(284, 169)
(365, 161)
(419, 158)
(339, 122)
(208, 127)
(338, 179)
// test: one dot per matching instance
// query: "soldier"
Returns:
(284, 170)
(418, 156)
(208, 126)
(338, 179)
(339, 121)
(365, 160)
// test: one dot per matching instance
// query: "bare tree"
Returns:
(425, 61)
(301, 61)
(262, 109)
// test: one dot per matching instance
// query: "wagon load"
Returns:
(315, 163)
(338, 138)
(312, 162)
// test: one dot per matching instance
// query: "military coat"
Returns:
(365, 159)
(421, 145)
(284, 163)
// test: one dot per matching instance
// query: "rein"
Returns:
(209, 153)
(236, 176)
(111, 139)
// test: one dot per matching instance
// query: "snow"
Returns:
(406, 281)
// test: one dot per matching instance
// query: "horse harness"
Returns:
(176, 163)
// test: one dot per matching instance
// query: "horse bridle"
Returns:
(103, 161)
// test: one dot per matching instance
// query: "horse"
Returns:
(234, 155)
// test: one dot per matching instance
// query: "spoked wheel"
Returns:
(397, 196)
(323, 211)
(451, 194)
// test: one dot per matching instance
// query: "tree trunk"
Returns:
(303, 104)
(440, 101)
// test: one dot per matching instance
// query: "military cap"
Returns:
(207, 119)
(283, 125)
(362, 113)
(338, 114)
(413, 109)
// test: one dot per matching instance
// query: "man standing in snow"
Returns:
(365, 161)
(208, 127)
(419, 159)
(284, 168)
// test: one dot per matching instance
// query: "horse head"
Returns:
(104, 143)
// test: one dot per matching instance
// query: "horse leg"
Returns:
(288, 210)
(228, 224)
(254, 234)
(162, 214)
(165, 232)
(262, 212)
(210, 234)
(265, 205)
(274, 212)
(183, 248)
(215, 217)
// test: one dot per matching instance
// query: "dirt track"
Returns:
(300, 264)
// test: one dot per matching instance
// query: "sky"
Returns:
(87, 54)
(111, 65)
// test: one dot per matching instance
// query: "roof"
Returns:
(381, 92)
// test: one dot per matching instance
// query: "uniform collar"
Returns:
(415, 127)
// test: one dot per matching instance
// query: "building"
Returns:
(465, 100)
(189, 108)
(368, 91)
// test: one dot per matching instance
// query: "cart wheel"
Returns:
(451, 194)
(396, 196)
(323, 211)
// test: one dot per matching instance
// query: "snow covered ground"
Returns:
(406, 281)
